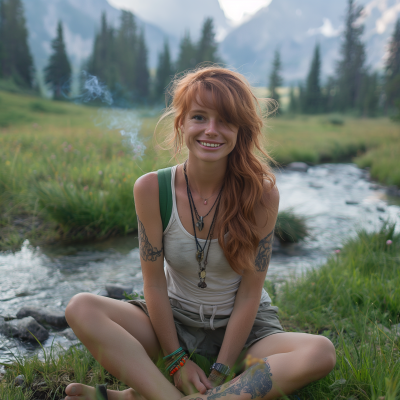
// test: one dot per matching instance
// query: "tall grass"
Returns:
(355, 300)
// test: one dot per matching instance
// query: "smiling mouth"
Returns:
(212, 145)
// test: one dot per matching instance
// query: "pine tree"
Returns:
(164, 72)
(58, 71)
(102, 62)
(369, 96)
(142, 70)
(350, 68)
(187, 54)
(207, 46)
(275, 78)
(126, 49)
(2, 11)
(15, 58)
(392, 68)
(313, 95)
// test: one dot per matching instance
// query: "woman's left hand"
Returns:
(191, 379)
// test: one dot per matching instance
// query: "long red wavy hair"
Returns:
(248, 163)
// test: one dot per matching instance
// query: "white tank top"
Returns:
(181, 271)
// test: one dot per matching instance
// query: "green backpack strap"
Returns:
(165, 195)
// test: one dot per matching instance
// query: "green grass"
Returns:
(67, 178)
(353, 299)
(291, 228)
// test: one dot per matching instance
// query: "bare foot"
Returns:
(77, 391)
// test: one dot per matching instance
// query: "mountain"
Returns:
(81, 20)
(176, 16)
(295, 27)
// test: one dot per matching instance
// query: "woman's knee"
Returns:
(79, 307)
(323, 355)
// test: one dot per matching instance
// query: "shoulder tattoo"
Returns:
(147, 251)
(264, 251)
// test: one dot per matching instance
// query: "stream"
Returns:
(337, 199)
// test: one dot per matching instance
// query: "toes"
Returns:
(73, 389)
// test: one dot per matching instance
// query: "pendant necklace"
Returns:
(199, 218)
(199, 249)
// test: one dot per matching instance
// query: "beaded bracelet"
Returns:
(178, 365)
(175, 361)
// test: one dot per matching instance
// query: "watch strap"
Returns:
(221, 368)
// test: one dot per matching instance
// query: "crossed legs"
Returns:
(121, 338)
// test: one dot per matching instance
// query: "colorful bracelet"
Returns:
(172, 354)
(178, 366)
(175, 362)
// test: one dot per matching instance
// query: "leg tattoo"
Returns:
(256, 381)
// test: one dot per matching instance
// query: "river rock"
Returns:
(44, 315)
(393, 191)
(19, 380)
(68, 333)
(352, 202)
(298, 166)
(117, 291)
(396, 329)
(24, 329)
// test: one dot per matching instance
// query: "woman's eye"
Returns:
(198, 117)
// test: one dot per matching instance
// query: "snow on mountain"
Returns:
(295, 27)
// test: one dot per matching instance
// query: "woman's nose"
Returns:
(211, 127)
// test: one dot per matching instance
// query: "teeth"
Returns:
(210, 144)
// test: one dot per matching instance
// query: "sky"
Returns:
(239, 10)
(236, 11)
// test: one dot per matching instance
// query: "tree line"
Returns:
(353, 87)
(119, 58)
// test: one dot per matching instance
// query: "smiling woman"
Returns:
(203, 295)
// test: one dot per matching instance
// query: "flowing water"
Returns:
(337, 200)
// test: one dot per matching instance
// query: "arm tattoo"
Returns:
(147, 251)
(264, 252)
(256, 381)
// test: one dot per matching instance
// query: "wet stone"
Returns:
(393, 191)
(352, 202)
(68, 333)
(44, 315)
(19, 380)
(117, 291)
(297, 166)
(26, 328)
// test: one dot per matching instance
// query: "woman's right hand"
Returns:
(191, 379)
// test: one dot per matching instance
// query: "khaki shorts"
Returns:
(196, 335)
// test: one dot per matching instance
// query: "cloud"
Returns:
(388, 17)
(237, 11)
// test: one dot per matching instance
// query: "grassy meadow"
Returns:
(65, 177)
(353, 300)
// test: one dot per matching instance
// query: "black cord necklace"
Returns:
(199, 218)
(199, 249)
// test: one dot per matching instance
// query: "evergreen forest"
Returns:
(119, 59)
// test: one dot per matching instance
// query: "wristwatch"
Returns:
(221, 368)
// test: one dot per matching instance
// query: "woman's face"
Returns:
(207, 136)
